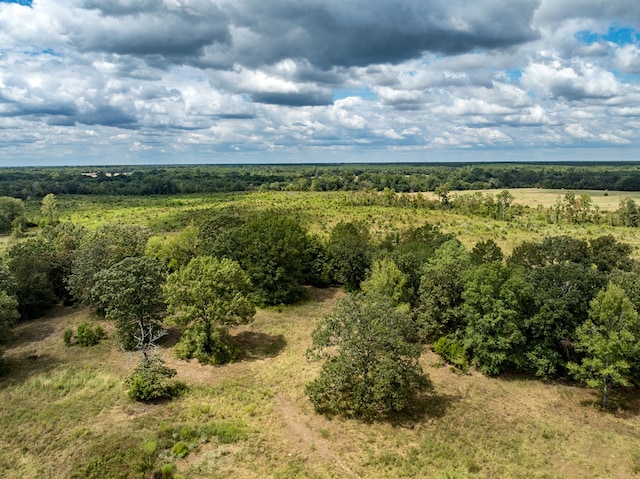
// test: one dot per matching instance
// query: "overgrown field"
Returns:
(319, 212)
(65, 414)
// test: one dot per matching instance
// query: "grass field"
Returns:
(65, 414)
(319, 212)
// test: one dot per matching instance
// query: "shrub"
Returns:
(67, 337)
(451, 351)
(87, 335)
(151, 380)
(180, 449)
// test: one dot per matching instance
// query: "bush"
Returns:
(67, 337)
(180, 449)
(151, 380)
(452, 352)
(86, 335)
(166, 471)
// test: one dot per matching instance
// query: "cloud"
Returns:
(198, 78)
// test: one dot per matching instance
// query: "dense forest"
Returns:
(28, 183)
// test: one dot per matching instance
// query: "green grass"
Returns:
(319, 212)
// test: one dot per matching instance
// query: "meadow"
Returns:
(65, 411)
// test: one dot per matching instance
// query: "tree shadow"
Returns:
(29, 331)
(170, 339)
(428, 406)
(19, 368)
(254, 346)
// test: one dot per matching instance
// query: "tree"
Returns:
(559, 304)
(608, 340)
(176, 250)
(494, 297)
(608, 254)
(49, 210)
(11, 209)
(205, 297)
(101, 249)
(385, 279)
(131, 292)
(63, 241)
(486, 252)
(31, 263)
(271, 247)
(8, 316)
(349, 251)
(629, 213)
(371, 368)
(503, 202)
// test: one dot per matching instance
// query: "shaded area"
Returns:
(25, 366)
(254, 346)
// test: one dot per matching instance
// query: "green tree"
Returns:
(31, 263)
(494, 297)
(385, 279)
(503, 202)
(8, 316)
(371, 367)
(608, 340)
(49, 210)
(439, 310)
(559, 304)
(205, 297)
(63, 241)
(349, 252)
(101, 249)
(486, 252)
(629, 213)
(176, 250)
(271, 247)
(11, 209)
(131, 292)
(608, 254)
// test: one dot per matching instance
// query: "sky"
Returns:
(271, 81)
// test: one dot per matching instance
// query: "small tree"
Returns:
(349, 253)
(609, 341)
(386, 279)
(131, 292)
(371, 368)
(205, 297)
(101, 249)
(49, 210)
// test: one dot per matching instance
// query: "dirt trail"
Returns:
(301, 434)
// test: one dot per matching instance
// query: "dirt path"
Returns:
(302, 436)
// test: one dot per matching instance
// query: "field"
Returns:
(65, 412)
(319, 212)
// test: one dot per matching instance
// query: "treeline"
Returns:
(559, 307)
(29, 183)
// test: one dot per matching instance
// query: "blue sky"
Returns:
(249, 81)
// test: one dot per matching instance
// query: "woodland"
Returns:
(320, 321)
